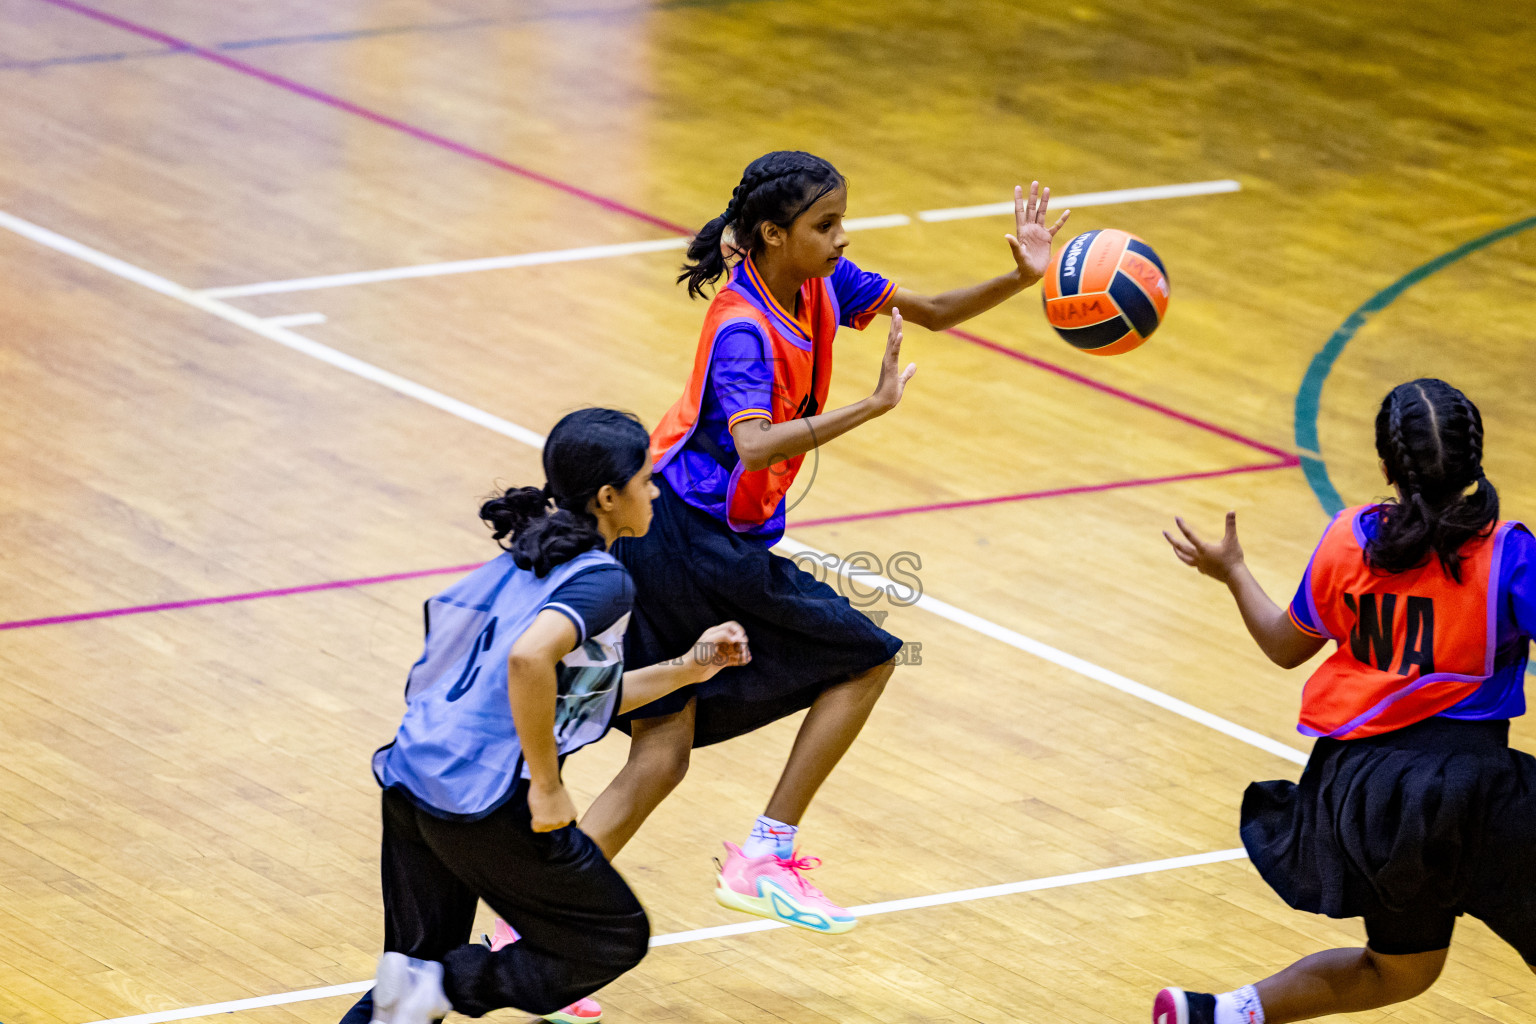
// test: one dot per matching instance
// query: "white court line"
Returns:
(600, 252)
(698, 934)
(890, 220)
(272, 332)
(1121, 195)
(1055, 656)
(297, 320)
(463, 410)
(342, 361)
(527, 259)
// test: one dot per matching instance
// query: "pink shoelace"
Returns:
(795, 864)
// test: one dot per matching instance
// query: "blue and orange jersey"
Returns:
(757, 360)
(1416, 644)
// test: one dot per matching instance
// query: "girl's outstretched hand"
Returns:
(1031, 242)
(1218, 561)
(892, 384)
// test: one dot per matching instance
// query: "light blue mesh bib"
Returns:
(457, 750)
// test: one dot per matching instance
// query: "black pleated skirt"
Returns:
(691, 572)
(1441, 814)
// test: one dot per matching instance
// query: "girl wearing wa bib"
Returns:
(1412, 809)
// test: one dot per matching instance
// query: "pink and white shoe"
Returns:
(1176, 1006)
(773, 887)
(582, 1011)
(501, 935)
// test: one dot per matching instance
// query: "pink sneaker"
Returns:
(582, 1011)
(775, 888)
(1176, 1006)
(501, 935)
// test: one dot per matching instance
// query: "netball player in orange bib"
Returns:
(1412, 809)
(725, 456)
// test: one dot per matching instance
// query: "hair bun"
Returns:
(513, 511)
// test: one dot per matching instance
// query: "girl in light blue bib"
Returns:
(522, 666)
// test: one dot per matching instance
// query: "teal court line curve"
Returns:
(1309, 395)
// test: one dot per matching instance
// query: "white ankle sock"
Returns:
(1240, 1006)
(770, 836)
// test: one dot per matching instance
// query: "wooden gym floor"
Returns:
(186, 812)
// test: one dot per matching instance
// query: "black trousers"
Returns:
(581, 926)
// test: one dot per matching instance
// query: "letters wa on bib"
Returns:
(1412, 798)
(706, 559)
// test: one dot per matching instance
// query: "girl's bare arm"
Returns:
(1031, 245)
(761, 443)
(1268, 623)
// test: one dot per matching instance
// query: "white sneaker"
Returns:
(408, 991)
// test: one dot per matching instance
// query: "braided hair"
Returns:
(1430, 438)
(550, 525)
(776, 187)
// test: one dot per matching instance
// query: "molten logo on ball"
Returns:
(1072, 253)
(1105, 292)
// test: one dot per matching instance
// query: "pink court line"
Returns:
(256, 595)
(346, 106)
(144, 609)
(384, 120)
(1288, 462)
(1145, 403)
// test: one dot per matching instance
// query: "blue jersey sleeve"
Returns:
(740, 376)
(1519, 575)
(860, 294)
(1303, 612)
(594, 599)
(1301, 609)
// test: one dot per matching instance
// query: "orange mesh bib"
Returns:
(802, 368)
(1411, 644)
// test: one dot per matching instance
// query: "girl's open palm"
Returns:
(893, 382)
(1214, 560)
(1031, 242)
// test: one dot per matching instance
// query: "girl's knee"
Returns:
(640, 942)
(1406, 975)
(877, 677)
(628, 944)
(664, 762)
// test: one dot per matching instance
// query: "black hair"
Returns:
(550, 525)
(1430, 438)
(776, 187)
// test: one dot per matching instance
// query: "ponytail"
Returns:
(1430, 438)
(550, 525)
(776, 187)
(706, 255)
(512, 512)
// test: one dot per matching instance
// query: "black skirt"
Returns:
(691, 571)
(1441, 814)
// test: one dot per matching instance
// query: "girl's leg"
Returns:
(761, 878)
(658, 760)
(1346, 981)
(1405, 953)
(427, 910)
(829, 729)
(580, 925)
